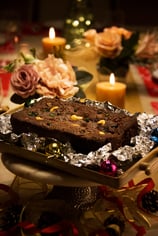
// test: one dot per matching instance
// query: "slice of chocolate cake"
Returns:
(86, 127)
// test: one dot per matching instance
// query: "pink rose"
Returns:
(24, 80)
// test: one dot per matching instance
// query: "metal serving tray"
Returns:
(147, 164)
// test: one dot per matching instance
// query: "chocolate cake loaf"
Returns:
(86, 127)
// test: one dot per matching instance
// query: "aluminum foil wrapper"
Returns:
(140, 145)
(93, 158)
(5, 126)
(32, 142)
(6, 129)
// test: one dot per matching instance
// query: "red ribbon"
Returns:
(149, 185)
(151, 87)
(154, 105)
(99, 232)
(65, 226)
(10, 232)
(62, 226)
(14, 198)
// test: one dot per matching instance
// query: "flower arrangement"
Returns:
(32, 77)
(147, 48)
(118, 47)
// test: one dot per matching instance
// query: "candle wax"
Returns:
(50, 45)
(114, 93)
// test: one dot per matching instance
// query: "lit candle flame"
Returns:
(112, 79)
(16, 39)
(51, 33)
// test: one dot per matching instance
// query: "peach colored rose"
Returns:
(24, 80)
(90, 35)
(108, 44)
(147, 46)
(57, 78)
(119, 30)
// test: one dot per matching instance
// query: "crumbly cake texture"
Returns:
(86, 127)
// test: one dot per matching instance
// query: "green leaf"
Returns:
(129, 46)
(33, 51)
(10, 67)
(80, 93)
(83, 77)
(15, 98)
(28, 58)
(119, 67)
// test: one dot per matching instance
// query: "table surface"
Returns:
(137, 98)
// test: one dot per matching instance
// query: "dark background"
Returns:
(131, 13)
